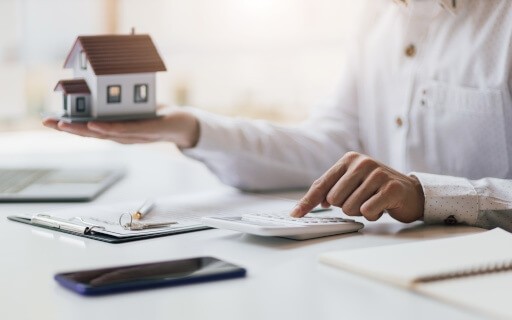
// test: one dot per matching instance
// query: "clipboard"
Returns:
(177, 214)
(91, 234)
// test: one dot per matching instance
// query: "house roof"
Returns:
(118, 54)
(72, 86)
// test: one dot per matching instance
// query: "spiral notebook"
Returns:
(473, 271)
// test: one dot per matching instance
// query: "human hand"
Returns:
(178, 127)
(362, 186)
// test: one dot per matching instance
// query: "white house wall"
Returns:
(87, 74)
(127, 105)
(72, 105)
(67, 112)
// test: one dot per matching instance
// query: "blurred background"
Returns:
(270, 59)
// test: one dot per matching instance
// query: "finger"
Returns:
(50, 123)
(375, 180)
(82, 129)
(151, 127)
(357, 172)
(79, 129)
(318, 190)
(344, 187)
(374, 207)
(128, 140)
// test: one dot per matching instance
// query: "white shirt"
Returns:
(426, 91)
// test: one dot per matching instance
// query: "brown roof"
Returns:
(118, 54)
(72, 86)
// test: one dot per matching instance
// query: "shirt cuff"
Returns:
(448, 199)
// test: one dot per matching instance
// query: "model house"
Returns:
(114, 78)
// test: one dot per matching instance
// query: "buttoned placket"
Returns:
(421, 15)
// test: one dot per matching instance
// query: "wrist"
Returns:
(191, 132)
(183, 129)
(420, 196)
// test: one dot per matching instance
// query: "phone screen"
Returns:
(148, 275)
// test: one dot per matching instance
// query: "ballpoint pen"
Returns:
(144, 209)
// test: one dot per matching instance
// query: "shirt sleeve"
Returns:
(485, 203)
(258, 155)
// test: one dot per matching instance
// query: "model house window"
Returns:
(114, 94)
(140, 93)
(65, 101)
(80, 104)
(83, 60)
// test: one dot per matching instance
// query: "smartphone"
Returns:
(149, 275)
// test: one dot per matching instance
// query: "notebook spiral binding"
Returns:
(479, 270)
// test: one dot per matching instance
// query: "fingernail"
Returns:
(294, 212)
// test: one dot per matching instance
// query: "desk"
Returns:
(284, 280)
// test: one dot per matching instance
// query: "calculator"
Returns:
(283, 225)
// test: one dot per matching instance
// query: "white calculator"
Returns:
(282, 225)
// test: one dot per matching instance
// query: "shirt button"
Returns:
(410, 51)
(399, 122)
(451, 220)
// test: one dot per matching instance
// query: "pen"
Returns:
(143, 210)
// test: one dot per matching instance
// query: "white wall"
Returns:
(12, 71)
(35, 37)
(72, 105)
(87, 74)
(127, 105)
(246, 57)
(262, 58)
(49, 27)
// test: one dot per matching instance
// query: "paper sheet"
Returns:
(186, 210)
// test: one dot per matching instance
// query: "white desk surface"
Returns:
(284, 279)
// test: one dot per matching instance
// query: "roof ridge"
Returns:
(119, 54)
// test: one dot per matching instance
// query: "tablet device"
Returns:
(45, 184)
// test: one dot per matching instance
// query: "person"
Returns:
(419, 129)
